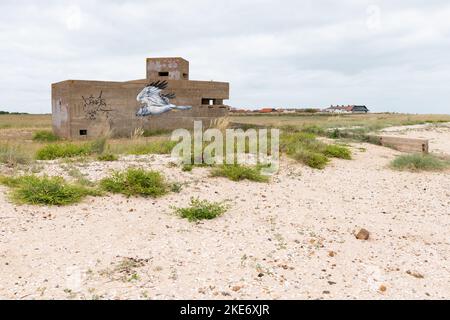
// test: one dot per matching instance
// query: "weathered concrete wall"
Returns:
(177, 68)
(61, 95)
(98, 108)
(88, 109)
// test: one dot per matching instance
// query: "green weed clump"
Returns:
(237, 172)
(45, 190)
(70, 150)
(187, 167)
(107, 157)
(201, 210)
(136, 182)
(304, 147)
(336, 151)
(311, 159)
(45, 136)
(62, 150)
(419, 162)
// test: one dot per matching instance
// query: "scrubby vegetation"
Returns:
(136, 182)
(45, 190)
(158, 132)
(187, 167)
(337, 151)
(107, 157)
(370, 122)
(239, 172)
(420, 162)
(201, 210)
(304, 147)
(314, 129)
(13, 155)
(62, 150)
(45, 136)
(69, 150)
(98, 147)
(312, 159)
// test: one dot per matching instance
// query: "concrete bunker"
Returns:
(84, 109)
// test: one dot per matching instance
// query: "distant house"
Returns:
(236, 110)
(359, 109)
(347, 109)
(267, 110)
(337, 109)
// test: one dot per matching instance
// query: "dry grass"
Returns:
(29, 121)
(142, 145)
(371, 121)
(16, 131)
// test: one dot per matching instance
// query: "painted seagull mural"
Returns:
(155, 102)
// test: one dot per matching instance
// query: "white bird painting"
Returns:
(155, 102)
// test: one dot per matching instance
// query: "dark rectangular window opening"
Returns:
(207, 101)
(163, 74)
(83, 132)
(185, 76)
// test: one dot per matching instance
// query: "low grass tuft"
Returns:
(187, 167)
(45, 136)
(311, 159)
(107, 157)
(336, 151)
(45, 190)
(239, 172)
(156, 132)
(419, 162)
(136, 182)
(201, 210)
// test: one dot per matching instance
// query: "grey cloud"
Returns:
(274, 53)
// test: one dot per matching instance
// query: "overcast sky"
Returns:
(388, 55)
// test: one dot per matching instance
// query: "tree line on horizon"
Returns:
(7, 112)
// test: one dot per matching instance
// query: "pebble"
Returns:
(363, 234)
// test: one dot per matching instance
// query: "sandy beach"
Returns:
(292, 238)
